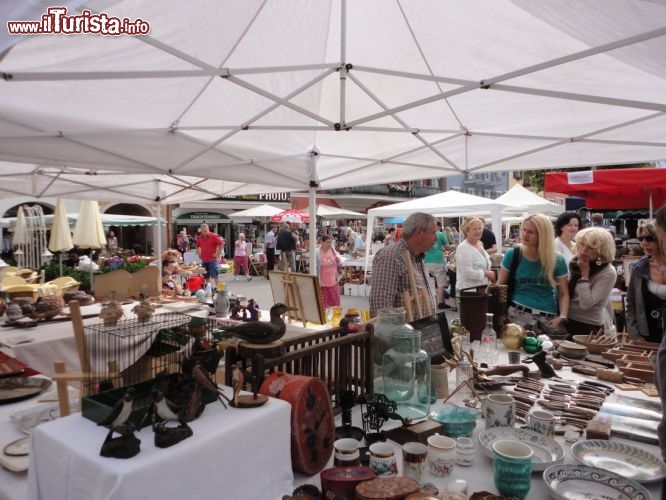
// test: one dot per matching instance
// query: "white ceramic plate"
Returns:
(547, 451)
(578, 482)
(623, 459)
(181, 306)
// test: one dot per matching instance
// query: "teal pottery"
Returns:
(512, 464)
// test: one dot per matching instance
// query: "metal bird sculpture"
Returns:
(263, 332)
(204, 379)
(121, 411)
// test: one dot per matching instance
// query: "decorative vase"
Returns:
(221, 301)
(337, 317)
(144, 310)
(406, 374)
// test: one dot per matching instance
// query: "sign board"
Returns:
(266, 197)
(201, 217)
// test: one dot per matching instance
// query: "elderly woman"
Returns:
(536, 276)
(566, 227)
(241, 257)
(646, 293)
(591, 279)
(472, 261)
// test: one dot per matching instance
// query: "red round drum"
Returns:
(312, 426)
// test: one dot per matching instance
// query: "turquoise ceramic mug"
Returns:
(512, 463)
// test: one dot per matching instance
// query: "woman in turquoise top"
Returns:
(540, 289)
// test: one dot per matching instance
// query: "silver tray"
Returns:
(547, 451)
(624, 459)
(578, 482)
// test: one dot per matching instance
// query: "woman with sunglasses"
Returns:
(646, 292)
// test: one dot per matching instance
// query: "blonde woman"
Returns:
(472, 261)
(646, 293)
(538, 280)
(591, 280)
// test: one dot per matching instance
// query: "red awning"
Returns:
(621, 189)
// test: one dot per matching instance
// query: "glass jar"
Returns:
(388, 320)
(406, 374)
(352, 321)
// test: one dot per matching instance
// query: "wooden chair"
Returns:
(259, 268)
(62, 377)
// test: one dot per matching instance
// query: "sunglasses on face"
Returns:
(649, 238)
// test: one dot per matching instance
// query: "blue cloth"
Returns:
(532, 289)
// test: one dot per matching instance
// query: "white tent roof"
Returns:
(269, 95)
(534, 203)
(447, 204)
(328, 212)
(260, 211)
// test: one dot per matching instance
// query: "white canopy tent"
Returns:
(107, 220)
(266, 95)
(533, 203)
(447, 204)
(328, 212)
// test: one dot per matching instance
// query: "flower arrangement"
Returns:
(130, 264)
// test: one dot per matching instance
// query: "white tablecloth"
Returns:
(234, 453)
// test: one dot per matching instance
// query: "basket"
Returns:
(456, 421)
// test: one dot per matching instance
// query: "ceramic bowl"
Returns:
(577, 481)
(456, 422)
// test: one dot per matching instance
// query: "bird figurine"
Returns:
(121, 411)
(163, 410)
(263, 332)
(204, 379)
(237, 383)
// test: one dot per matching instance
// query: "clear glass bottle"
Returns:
(489, 342)
(406, 374)
(337, 316)
(464, 372)
(388, 320)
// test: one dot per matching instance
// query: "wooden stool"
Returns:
(256, 353)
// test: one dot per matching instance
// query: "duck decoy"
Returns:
(121, 411)
(263, 332)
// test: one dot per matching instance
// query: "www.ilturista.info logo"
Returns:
(57, 22)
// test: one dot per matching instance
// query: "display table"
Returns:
(480, 475)
(234, 453)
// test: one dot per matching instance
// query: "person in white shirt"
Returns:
(566, 227)
(472, 261)
(269, 243)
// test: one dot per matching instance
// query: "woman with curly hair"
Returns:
(591, 280)
(536, 276)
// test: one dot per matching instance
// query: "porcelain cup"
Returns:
(414, 459)
(382, 459)
(441, 455)
(499, 410)
(542, 422)
(465, 452)
(347, 452)
(512, 465)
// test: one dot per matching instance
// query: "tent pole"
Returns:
(312, 209)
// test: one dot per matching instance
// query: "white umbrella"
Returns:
(262, 211)
(89, 232)
(61, 237)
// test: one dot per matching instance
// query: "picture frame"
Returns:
(435, 336)
(307, 289)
